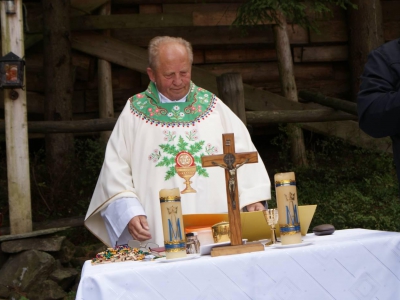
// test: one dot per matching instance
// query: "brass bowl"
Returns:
(221, 232)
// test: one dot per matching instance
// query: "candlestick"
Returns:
(172, 220)
(286, 199)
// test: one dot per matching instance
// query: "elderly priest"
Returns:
(158, 142)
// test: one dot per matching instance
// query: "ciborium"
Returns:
(271, 216)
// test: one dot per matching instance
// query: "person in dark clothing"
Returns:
(378, 101)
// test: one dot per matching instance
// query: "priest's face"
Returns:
(172, 72)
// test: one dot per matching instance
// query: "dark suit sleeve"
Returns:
(378, 100)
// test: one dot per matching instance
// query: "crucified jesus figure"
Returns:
(232, 177)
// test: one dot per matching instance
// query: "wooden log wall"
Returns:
(320, 59)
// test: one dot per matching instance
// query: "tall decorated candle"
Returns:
(286, 199)
(174, 233)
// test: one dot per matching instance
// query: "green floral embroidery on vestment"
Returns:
(199, 104)
(190, 143)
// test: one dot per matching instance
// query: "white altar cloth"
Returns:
(351, 264)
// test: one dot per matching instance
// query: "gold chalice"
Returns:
(271, 216)
(186, 173)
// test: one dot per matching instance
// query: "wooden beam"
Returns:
(346, 106)
(253, 117)
(321, 53)
(150, 9)
(65, 222)
(214, 18)
(79, 7)
(82, 126)
(239, 55)
(131, 21)
(103, 22)
(129, 2)
(200, 35)
(212, 35)
(199, 7)
(330, 31)
(253, 72)
(111, 49)
(296, 116)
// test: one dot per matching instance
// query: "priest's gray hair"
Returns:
(154, 48)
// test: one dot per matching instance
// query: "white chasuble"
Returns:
(152, 147)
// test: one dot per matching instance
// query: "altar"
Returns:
(350, 264)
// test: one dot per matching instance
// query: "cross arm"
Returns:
(206, 161)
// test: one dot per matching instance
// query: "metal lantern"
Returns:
(12, 71)
(10, 7)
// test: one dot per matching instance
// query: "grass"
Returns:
(353, 187)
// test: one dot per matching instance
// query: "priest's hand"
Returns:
(139, 228)
(255, 206)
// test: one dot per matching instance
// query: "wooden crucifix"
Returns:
(231, 162)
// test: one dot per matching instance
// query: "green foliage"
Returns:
(71, 197)
(71, 296)
(352, 187)
(182, 144)
(170, 173)
(255, 12)
(196, 147)
(170, 149)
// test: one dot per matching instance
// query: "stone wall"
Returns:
(46, 267)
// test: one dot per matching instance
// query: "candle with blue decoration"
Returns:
(172, 220)
(288, 209)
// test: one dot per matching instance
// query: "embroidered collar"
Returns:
(199, 104)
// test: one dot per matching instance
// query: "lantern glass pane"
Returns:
(11, 72)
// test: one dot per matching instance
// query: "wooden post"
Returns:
(289, 89)
(19, 194)
(106, 103)
(231, 92)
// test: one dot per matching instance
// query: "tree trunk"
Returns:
(365, 34)
(230, 90)
(106, 104)
(58, 88)
(289, 90)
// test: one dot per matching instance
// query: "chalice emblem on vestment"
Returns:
(186, 168)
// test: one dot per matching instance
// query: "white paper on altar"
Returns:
(254, 225)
